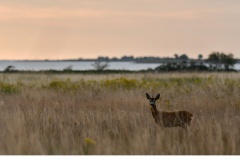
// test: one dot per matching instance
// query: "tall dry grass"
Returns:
(109, 114)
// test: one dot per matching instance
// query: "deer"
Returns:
(169, 119)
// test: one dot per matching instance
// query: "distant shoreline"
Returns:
(162, 60)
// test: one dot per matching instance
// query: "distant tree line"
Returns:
(216, 61)
(124, 58)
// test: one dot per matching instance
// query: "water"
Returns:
(78, 65)
(75, 65)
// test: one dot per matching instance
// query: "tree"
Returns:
(9, 68)
(68, 68)
(183, 57)
(176, 56)
(200, 56)
(200, 61)
(215, 59)
(99, 66)
(218, 59)
(228, 60)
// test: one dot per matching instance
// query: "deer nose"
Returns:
(151, 102)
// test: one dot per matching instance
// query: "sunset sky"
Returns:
(60, 29)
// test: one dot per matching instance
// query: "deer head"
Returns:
(152, 100)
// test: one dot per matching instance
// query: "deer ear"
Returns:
(148, 96)
(157, 97)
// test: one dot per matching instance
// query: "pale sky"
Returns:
(59, 29)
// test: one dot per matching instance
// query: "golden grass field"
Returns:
(108, 114)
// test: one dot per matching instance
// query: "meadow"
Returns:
(108, 114)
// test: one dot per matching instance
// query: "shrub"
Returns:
(123, 83)
(8, 88)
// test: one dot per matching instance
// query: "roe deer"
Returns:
(169, 119)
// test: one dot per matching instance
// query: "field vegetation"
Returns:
(108, 114)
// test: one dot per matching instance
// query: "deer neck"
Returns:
(155, 113)
(154, 108)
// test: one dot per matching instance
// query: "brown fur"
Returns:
(173, 119)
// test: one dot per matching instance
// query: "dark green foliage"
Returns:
(218, 60)
(9, 68)
(183, 66)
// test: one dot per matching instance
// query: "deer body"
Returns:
(169, 119)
